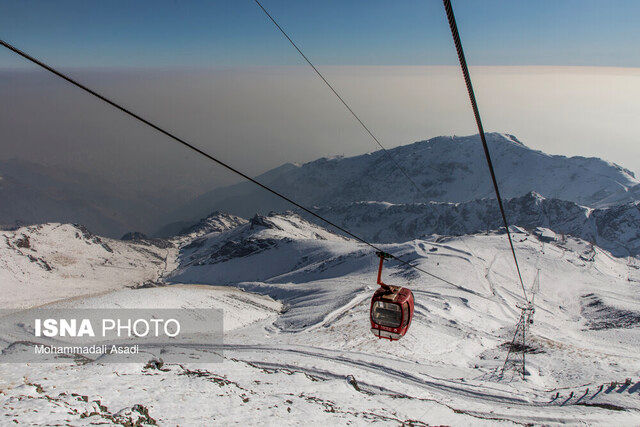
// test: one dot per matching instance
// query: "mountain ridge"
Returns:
(615, 229)
(447, 169)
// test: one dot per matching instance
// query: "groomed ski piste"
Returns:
(297, 345)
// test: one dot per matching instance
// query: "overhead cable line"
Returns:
(467, 78)
(335, 92)
(208, 156)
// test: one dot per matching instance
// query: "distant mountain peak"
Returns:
(263, 222)
(215, 222)
(449, 169)
(534, 195)
(494, 137)
(513, 139)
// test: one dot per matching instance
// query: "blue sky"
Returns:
(236, 33)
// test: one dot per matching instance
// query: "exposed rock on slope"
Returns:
(616, 229)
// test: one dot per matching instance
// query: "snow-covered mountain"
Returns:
(216, 222)
(280, 250)
(47, 262)
(296, 296)
(309, 357)
(447, 169)
(616, 229)
(325, 283)
(299, 244)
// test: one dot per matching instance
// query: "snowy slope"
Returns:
(460, 326)
(240, 308)
(299, 241)
(267, 244)
(44, 263)
(309, 357)
(447, 169)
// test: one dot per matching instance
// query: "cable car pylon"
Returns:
(516, 358)
(516, 355)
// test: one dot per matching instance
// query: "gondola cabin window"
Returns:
(405, 314)
(387, 314)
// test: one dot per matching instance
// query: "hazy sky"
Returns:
(218, 74)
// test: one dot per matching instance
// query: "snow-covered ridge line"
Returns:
(298, 241)
(448, 169)
(216, 222)
(616, 229)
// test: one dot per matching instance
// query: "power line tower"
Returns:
(516, 355)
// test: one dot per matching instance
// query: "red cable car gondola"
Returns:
(391, 308)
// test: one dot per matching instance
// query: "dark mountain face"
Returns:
(32, 193)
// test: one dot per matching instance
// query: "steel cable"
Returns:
(467, 79)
